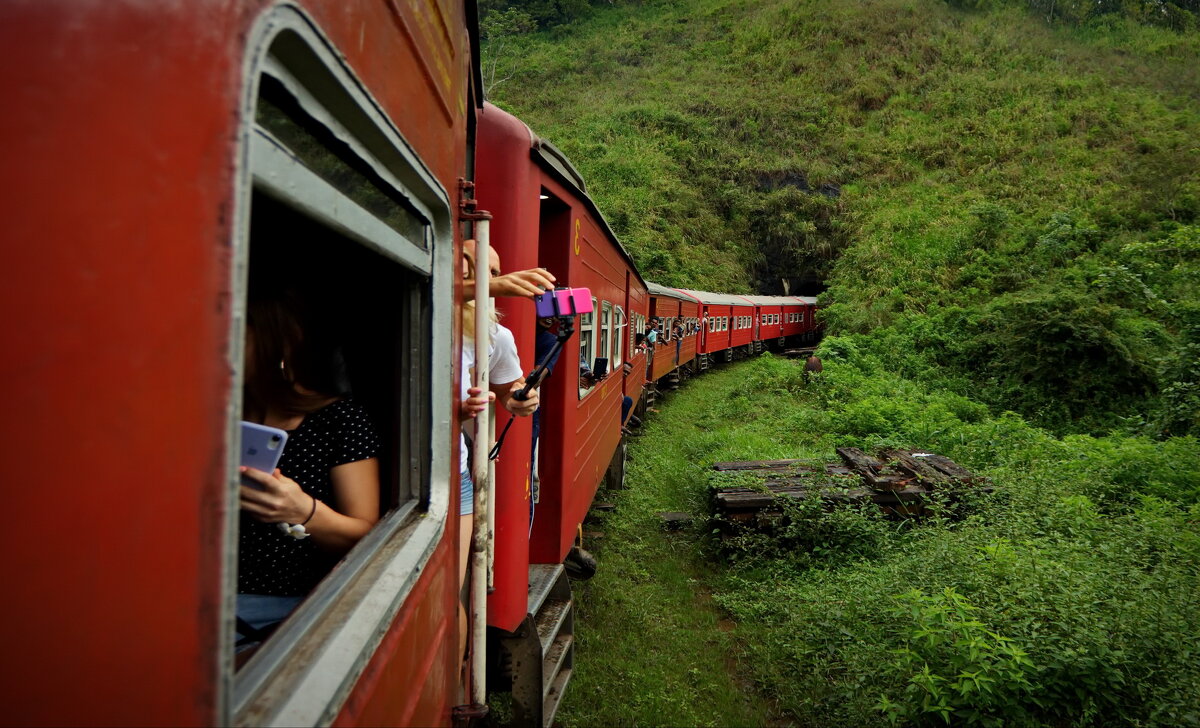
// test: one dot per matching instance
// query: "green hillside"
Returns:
(1009, 208)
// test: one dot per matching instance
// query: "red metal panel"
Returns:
(508, 186)
(118, 207)
(583, 442)
(414, 59)
(117, 178)
(741, 337)
(406, 684)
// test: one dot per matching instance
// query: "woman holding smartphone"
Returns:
(299, 520)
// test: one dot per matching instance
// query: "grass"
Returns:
(1069, 596)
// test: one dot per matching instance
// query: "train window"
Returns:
(587, 350)
(339, 218)
(606, 330)
(618, 337)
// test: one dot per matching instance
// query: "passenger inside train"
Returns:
(297, 521)
(327, 326)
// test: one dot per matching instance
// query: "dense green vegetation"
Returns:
(1012, 206)
(1066, 597)
(999, 201)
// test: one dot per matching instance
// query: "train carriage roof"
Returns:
(554, 162)
(781, 300)
(716, 299)
(659, 290)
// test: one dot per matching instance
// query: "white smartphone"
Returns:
(261, 448)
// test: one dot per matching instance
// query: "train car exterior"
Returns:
(162, 159)
(543, 217)
(780, 317)
(808, 327)
(730, 321)
(679, 330)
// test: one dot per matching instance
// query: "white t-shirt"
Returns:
(504, 367)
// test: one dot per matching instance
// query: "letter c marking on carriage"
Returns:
(577, 222)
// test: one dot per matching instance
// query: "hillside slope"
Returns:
(1009, 209)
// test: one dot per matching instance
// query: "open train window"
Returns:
(587, 350)
(606, 322)
(341, 219)
(618, 337)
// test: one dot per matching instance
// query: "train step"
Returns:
(543, 650)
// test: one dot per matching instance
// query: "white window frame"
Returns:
(305, 672)
(605, 331)
(618, 337)
(587, 343)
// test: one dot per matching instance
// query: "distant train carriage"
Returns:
(730, 323)
(806, 319)
(679, 327)
(780, 317)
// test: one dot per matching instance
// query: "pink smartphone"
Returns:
(563, 302)
(261, 448)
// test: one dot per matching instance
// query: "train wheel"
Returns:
(579, 564)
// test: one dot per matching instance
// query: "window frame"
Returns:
(587, 338)
(276, 685)
(604, 341)
(619, 323)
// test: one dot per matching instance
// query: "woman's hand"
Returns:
(280, 500)
(519, 407)
(532, 282)
(474, 404)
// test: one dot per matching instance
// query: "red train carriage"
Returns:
(679, 328)
(163, 159)
(543, 217)
(730, 323)
(807, 326)
(780, 317)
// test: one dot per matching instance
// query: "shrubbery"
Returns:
(1067, 597)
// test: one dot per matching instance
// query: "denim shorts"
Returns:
(466, 503)
(263, 610)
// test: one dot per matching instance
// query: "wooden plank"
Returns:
(951, 468)
(916, 467)
(859, 460)
(891, 481)
(760, 465)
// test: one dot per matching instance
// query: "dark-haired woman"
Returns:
(324, 496)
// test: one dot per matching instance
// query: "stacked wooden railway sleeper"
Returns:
(901, 482)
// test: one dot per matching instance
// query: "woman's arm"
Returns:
(355, 486)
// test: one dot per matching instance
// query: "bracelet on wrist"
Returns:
(298, 530)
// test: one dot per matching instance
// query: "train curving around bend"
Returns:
(167, 162)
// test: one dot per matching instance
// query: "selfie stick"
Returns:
(566, 327)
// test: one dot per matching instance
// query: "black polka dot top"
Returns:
(269, 560)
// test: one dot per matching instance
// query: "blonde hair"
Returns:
(468, 319)
(468, 309)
